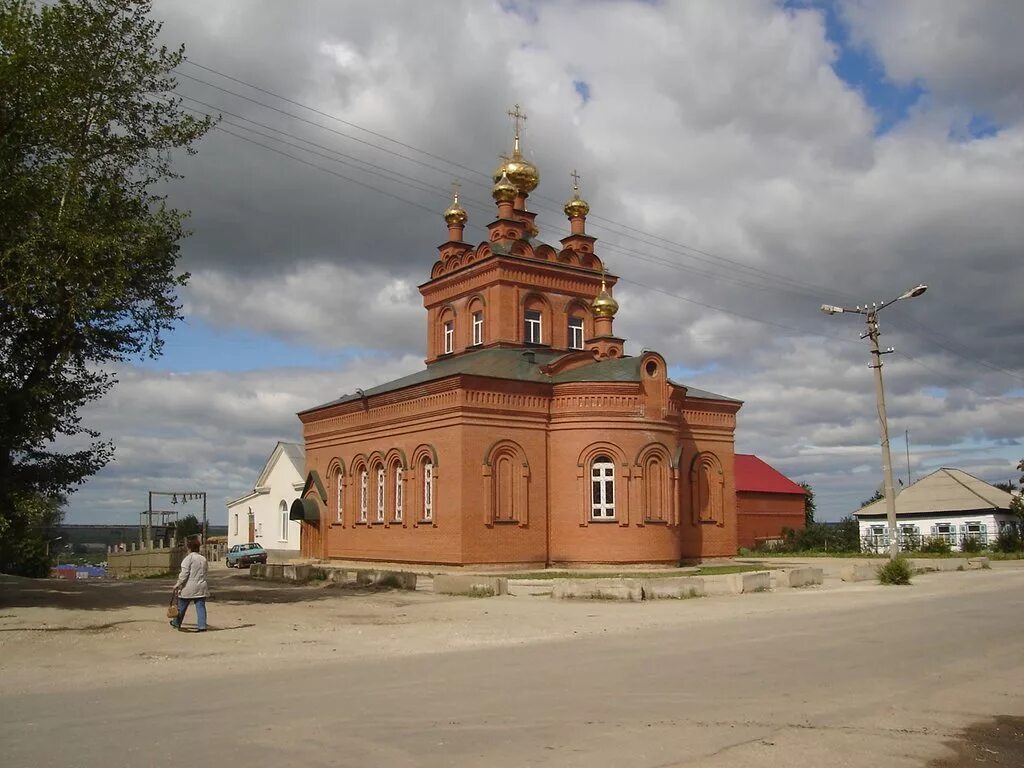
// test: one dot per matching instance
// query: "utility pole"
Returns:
(872, 335)
(906, 436)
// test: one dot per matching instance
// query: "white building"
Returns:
(262, 515)
(948, 504)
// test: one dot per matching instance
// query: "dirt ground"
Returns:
(65, 636)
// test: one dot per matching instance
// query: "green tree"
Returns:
(876, 496)
(1017, 504)
(24, 549)
(809, 505)
(88, 247)
(186, 526)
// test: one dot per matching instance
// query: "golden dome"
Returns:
(604, 305)
(577, 208)
(522, 172)
(504, 190)
(456, 214)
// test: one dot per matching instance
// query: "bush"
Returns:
(1008, 541)
(936, 545)
(972, 545)
(897, 571)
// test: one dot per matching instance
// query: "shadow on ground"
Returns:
(225, 587)
(999, 741)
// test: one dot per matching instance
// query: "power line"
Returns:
(783, 282)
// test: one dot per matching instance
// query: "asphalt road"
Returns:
(888, 681)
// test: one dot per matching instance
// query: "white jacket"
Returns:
(192, 579)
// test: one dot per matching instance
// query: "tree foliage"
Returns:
(186, 526)
(88, 247)
(809, 505)
(24, 538)
(878, 495)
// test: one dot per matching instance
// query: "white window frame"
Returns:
(602, 475)
(428, 491)
(236, 524)
(398, 494)
(381, 494)
(533, 328)
(283, 508)
(478, 328)
(575, 332)
(449, 337)
(364, 495)
(341, 497)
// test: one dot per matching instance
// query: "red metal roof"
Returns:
(752, 474)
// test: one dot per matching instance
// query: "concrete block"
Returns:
(804, 577)
(940, 564)
(258, 570)
(468, 584)
(856, 572)
(757, 581)
(726, 584)
(673, 588)
(299, 574)
(274, 573)
(977, 563)
(381, 579)
(598, 589)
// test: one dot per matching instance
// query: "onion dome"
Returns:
(520, 171)
(504, 191)
(576, 207)
(604, 305)
(456, 215)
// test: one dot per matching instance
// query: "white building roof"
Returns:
(944, 491)
(293, 453)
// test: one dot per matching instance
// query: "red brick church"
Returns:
(531, 436)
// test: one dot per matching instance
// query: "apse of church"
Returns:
(531, 437)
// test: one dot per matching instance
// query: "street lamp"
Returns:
(871, 314)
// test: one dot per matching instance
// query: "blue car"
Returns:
(244, 555)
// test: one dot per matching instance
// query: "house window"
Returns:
(398, 494)
(532, 330)
(602, 483)
(340, 495)
(478, 328)
(945, 531)
(380, 494)
(428, 491)
(575, 333)
(364, 493)
(449, 337)
(283, 508)
(236, 525)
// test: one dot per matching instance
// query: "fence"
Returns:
(879, 542)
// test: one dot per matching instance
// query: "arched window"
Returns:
(381, 494)
(449, 337)
(478, 328)
(283, 510)
(364, 495)
(398, 494)
(428, 490)
(602, 484)
(655, 488)
(575, 338)
(339, 495)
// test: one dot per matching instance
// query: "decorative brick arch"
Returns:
(584, 464)
(360, 493)
(534, 301)
(476, 303)
(506, 477)
(707, 484)
(657, 482)
(395, 485)
(577, 308)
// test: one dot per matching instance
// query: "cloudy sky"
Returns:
(745, 162)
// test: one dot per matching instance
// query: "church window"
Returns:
(602, 483)
(655, 484)
(707, 481)
(575, 333)
(398, 494)
(449, 337)
(428, 491)
(532, 331)
(478, 328)
(236, 525)
(283, 509)
(380, 494)
(363, 496)
(338, 491)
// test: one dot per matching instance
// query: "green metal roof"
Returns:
(517, 364)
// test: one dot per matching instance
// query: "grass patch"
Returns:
(711, 570)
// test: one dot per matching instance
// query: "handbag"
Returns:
(172, 608)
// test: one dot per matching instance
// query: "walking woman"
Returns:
(191, 586)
